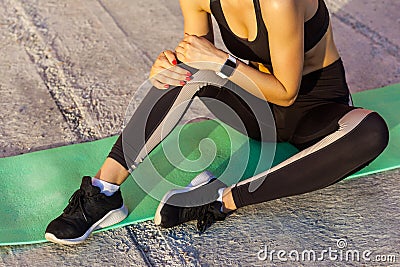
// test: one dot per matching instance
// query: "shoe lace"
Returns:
(205, 221)
(75, 202)
(206, 216)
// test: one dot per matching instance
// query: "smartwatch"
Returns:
(228, 68)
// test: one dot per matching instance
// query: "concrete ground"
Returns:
(69, 68)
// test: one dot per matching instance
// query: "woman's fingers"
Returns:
(171, 73)
(166, 79)
(164, 62)
(170, 56)
(166, 72)
(180, 49)
(175, 72)
(158, 84)
(165, 65)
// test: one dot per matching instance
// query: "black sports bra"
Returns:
(258, 49)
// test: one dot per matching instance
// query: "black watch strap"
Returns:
(228, 68)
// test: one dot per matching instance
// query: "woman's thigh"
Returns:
(335, 144)
(317, 123)
(241, 110)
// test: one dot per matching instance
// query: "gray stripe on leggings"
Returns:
(346, 124)
(200, 79)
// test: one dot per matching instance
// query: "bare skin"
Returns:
(285, 42)
(112, 172)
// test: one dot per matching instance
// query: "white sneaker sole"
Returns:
(200, 180)
(112, 217)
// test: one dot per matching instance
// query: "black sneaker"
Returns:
(88, 210)
(198, 201)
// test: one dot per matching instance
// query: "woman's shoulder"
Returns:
(274, 10)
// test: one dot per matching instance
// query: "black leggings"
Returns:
(335, 139)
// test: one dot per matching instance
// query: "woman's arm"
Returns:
(165, 71)
(285, 23)
(196, 20)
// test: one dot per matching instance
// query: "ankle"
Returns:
(112, 172)
(228, 204)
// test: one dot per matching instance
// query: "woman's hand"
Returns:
(200, 53)
(166, 73)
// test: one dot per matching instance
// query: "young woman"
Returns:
(293, 64)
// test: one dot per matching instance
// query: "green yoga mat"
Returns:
(37, 186)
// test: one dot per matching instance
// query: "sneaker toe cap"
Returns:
(63, 229)
(169, 216)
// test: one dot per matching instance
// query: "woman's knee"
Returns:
(375, 134)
